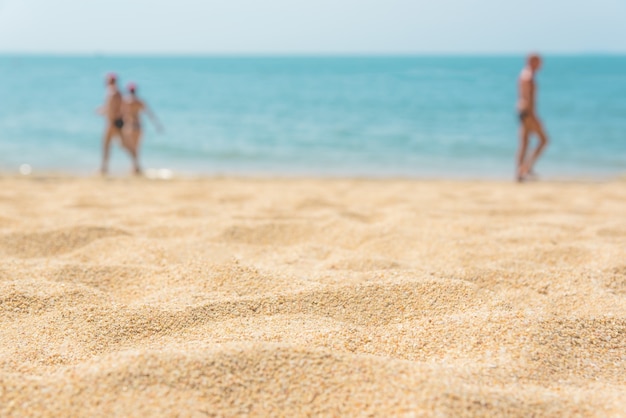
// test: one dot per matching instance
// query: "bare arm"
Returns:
(103, 110)
(153, 118)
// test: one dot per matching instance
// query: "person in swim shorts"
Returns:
(114, 120)
(529, 121)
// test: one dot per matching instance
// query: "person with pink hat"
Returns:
(112, 111)
(530, 123)
(133, 131)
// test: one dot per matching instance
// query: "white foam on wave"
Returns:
(25, 169)
(159, 174)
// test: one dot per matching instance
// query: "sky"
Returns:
(312, 27)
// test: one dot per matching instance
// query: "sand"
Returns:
(311, 297)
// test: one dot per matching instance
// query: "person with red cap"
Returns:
(112, 111)
(133, 131)
(529, 121)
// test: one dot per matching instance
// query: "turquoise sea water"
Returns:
(354, 116)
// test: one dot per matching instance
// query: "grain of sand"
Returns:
(242, 297)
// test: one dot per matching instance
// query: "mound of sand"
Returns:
(234, 297)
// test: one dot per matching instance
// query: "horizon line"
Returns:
(170, 54)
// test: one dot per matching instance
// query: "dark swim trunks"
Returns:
(118, 123)
(523, 115)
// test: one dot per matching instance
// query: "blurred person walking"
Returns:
(114, 120)
(529, 121)
(133, 108)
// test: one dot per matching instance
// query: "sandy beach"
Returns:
(311, 297)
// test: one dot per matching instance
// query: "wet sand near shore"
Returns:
(311, 297)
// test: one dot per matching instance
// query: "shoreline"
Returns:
(171, 175)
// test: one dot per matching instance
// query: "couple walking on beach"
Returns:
(123, 120)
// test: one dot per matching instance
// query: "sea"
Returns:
(450, 117)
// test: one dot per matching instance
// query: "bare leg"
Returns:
(106, 149)
(524, 135)
(131, 141)
(543, 143)
(135, 157)
(136, 145)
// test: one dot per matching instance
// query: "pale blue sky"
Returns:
(312, 26)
